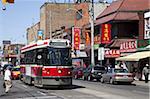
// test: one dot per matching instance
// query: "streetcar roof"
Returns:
(44, 43)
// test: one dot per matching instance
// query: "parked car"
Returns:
(93, 72)
(16, 72)
(114, 75)
(77, 72)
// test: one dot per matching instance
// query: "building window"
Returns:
(79, 14)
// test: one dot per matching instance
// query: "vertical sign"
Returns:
(87, 37)
(106, 33)
(97, 39)
(40, 34)
(147, 25)
(101, 53)
(76, 38)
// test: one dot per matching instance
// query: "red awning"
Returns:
(118, 16)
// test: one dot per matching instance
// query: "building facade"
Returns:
(11, 53)
(32, 33)
(54, 16)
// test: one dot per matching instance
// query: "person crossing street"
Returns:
(7, 79)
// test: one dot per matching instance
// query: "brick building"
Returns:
(32, 32)
(11, 52)
(54, 16)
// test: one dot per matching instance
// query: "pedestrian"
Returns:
(7, 79)
(146, 72)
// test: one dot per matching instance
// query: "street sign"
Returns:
(40, 34)
(101, 53)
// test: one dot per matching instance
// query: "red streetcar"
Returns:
(47, 62)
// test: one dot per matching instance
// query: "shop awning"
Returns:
(79, 54)
(135, 56)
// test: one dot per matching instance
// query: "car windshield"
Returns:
(120, 71)
(6, 65)
(99, 68)
(16, 69)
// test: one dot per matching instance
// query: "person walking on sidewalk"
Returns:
(146, 73)
(7, 79)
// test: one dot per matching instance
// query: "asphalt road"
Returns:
(79, 90)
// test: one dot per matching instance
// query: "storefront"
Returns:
(136, 62)
(110, 56)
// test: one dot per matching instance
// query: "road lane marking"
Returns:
(140, 92)
(25, 86)
(41, 97)
(41, 93)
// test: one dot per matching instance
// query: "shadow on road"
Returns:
(61, 87)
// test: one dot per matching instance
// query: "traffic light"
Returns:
(7, 1)
(4, 1)
(10, 1)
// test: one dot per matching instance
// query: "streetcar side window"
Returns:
(29, 57)
(41, 57)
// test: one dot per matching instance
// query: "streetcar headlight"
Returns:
(69, 72)
(59, 71)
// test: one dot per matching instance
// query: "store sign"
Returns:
(82, 46)
(76, 33)
(96, 46)
(112, 53)
(129, 46)
(40, 34)
(101, 53)
(87, 38)
(147, 25)
(143, 43)
(97, 39)
(106, 33)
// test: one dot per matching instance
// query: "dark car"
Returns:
(77, 72)
(93, 72)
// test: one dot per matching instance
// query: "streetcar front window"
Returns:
(59, 56)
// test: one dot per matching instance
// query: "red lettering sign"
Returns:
(76, 32)
(87, 38)
(129, 46)
(112, 53)
(106, 33)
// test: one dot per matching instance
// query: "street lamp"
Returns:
(92, 29)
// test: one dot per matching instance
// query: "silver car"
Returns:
(114, 75)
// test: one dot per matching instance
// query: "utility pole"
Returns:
(92, 32)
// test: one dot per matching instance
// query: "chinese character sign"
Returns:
(87, 37)
(76, 32)
(106, 33)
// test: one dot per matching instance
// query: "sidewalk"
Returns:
(142, 83)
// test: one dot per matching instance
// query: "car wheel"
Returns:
(102, 80)
(111, 81)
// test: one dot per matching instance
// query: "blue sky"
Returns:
(18, 17)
